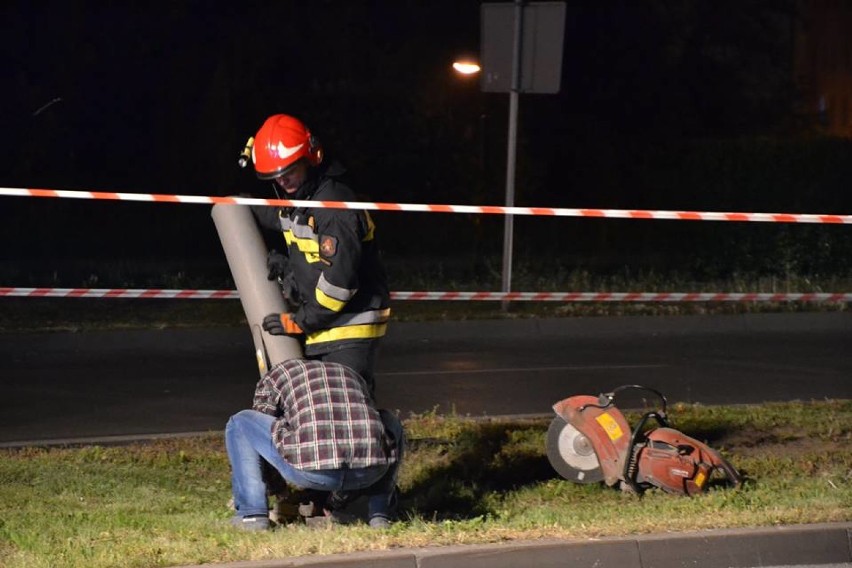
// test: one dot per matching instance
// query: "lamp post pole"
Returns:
(508, 220)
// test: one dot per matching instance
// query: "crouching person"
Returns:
(316, 424)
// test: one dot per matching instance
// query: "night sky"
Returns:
(165, 93)
(159, 97)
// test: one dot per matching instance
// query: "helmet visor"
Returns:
(280, 172)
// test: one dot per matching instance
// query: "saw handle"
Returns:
(631, 467)
(607, 399)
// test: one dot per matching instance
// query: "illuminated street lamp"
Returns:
(466, 67)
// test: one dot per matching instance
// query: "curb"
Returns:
(825, 543)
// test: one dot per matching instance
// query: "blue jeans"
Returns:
(248, 439)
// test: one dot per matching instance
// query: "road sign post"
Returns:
(521, 53)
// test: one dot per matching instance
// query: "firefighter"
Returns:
(331, 270)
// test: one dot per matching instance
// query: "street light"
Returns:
(466, 67)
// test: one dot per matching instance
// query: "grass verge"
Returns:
(464, 481)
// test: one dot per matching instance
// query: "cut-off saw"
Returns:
(590, 440)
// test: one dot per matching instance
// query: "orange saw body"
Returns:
(590, 440)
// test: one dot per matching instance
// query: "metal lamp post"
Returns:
(534, 65)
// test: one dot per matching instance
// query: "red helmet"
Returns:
(280, 143)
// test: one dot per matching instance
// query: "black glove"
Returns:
(281, 324)
(277, 264)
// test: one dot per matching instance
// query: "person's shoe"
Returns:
(251, 523)
(380, 522)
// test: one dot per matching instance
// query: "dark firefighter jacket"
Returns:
(341, 283)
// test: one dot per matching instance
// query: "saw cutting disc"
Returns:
(571, 454)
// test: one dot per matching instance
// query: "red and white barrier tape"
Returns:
(623, 296)
(424, 208)
(120, 293)
(450, 296)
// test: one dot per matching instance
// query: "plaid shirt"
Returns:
(325, 418)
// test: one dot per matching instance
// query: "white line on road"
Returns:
(106, 440)
(521, 370)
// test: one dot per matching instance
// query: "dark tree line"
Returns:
(665, 104)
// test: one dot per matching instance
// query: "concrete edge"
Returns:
(824, 543)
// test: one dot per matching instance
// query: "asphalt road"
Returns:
(132, 383)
